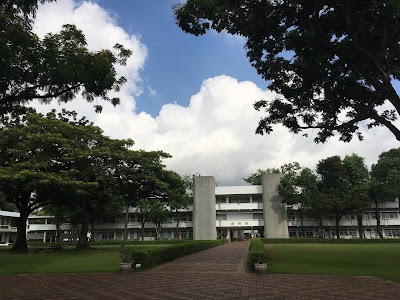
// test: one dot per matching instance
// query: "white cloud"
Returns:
(152, 92)
(214, 134)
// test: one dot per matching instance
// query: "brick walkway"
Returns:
(213, 274)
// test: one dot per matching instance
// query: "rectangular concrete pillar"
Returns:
(275, 217)
(204, 214)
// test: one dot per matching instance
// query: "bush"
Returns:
(327, 241)
(256, 253)
(126, 254)
(153, 257)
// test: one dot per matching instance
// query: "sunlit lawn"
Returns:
(101, 259)
(379, 260)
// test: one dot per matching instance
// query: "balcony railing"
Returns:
(7, 228)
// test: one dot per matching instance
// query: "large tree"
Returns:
(331, 63)
(60, 160)
(300, 189)
(34, 152)
(357, 177)
(59, 66)
(138, 177)
(385, 181)
(333, 187)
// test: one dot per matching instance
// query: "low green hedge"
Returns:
(107, 243)
(327, 241)
(153, 257)
(256, 253)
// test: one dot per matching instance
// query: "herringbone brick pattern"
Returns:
(218, 273)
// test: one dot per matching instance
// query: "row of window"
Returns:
(366, 216)
(238, 199)
(353, 233)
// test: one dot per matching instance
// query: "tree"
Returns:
(331, 63)
(357, 177)
(59, 66)
(376, 193)
(299, 189)
(256, 178)
(333, 188)
(138, 177)
(159, 212)
(33, 151)
(385, 181)
(143, 212)
(57, 160)
(387, 172)
(178, 198)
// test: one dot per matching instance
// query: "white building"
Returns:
(219, 212)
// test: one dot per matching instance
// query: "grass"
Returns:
(101, 259)
(379, 260)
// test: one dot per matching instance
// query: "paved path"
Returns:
(213, 274)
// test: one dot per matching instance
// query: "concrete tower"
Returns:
(275, 218)
(204, 214)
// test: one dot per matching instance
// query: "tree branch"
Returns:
(27, 95)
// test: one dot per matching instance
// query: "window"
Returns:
(245, 199)
(256, 199)
(389, 215)
(353, 233)
(221, 216)
(309, 234)
(36, 221)
(258, 216)
(292, 233)
(234, 199)
(220, 199)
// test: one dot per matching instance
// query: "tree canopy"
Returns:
(331, 63)
(59, 66)
(58, 160)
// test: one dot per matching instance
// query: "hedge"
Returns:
(327, 241)
(153, 257)
(109, 243)
(256, 253)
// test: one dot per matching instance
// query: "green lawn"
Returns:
(101, 259)
(379, 260)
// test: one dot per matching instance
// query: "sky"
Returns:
(189, 96)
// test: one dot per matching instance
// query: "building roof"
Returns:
(6, 213)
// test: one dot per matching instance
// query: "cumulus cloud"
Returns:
(214, 134)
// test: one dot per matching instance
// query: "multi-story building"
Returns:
(220, 212)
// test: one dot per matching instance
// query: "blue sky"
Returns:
(178, 62)
(189, 96)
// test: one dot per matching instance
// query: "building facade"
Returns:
(225, 212)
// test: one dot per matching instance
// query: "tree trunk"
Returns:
(21, 245)
(82, 242)
(337, 220)
(177, 229)
(321, 226)
(143, 222)
(378, 220)
(58, 231)
(360, 225)
(126, 221)
(302, 223)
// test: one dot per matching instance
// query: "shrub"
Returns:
(126, 254)
(256, 253)
(328, 241)
(153, 257)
